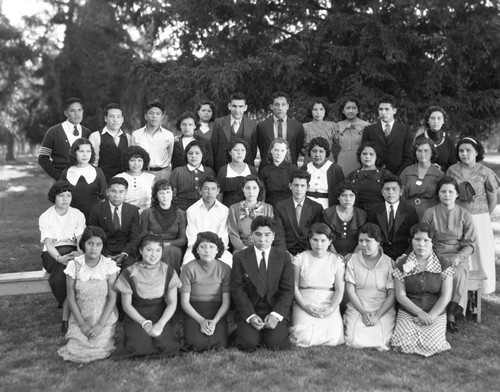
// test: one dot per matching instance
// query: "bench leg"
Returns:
(478, 315)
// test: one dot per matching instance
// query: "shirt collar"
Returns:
(192, 168)
(301, 203)
(69, 126)
(394, 206)
(258, 255)
(391, 123)
(276, 119)
(113, 208)
(106, 130)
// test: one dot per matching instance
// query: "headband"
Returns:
(470, 139)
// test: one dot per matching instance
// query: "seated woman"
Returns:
(140, 183)
(186, 179)
(88, 181)
(92, 300)
(168, 222)
(420, 179)
(370, 316)
(242, 214)
(205, 116)
(344, 219)
(231, 175)
(276, 175)
(149, 298)
(456, 240)
(423, 284)
(186, 124)
(324, 173)
(61, 227)
(368, 177)
(319, 288)
(205, 295)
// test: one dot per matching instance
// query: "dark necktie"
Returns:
(298, 211)
(116, 220)
(262, 280)
(280, 128)
(391, 223)
(75, 131)
(387, 130)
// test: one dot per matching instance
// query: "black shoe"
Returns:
(64, 327)
(451, 327)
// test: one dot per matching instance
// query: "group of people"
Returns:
(369, 243)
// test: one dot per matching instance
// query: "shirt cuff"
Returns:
(249, 318)
(277, 315)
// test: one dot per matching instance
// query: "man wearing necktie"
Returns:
(262, 288)
(236, 125)
(394, 138)
(53, 155)
(395, 217)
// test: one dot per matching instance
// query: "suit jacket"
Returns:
(280, 283)
(290, 234)
(123, 240)
(397, 146)
(294, 137)
(222, 135)
(406, 217)
(179, 154)
(334, 176)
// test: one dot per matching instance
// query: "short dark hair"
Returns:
(233, 142)
(478, 146)
(202, 148)
(433, 109)
(148, 237)
(238, 97)
(344, 101)
(301, 175)
(208, 236)
(198, 107)
(320, 142)
(280, 141)
(183, 116)
(71, 101)
(372, 230)
(345, 186)
(119, 181)
(92, 231)
(387, 99)
(135, 152)
(58, 187)
(445, 181)
(260, 184)
(321, 228)
(321, 101)
(262, 221)
(75, 147)
(280, 94)
(206, 179)
(159, 185)
(391, 178)
(112, 106)
(154, 104)
(422, 228)
(420, 142)
(379, 151)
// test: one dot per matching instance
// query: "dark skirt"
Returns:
(57, 279)
(195, 339)
(136, 342)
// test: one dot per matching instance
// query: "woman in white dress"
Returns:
(370, 315)
(319, 288)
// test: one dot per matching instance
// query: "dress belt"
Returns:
(317, 288)
(317, 195)
(157, 168)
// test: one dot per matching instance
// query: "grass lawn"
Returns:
(29, 336)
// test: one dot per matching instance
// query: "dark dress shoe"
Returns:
(451, 327)
(64, 327)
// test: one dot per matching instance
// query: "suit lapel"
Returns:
(226, 127)
(382, 218)
(270, 128)
(251, 266)
(273, 270)
(106, 213)
(400, 217)
(290, 210)
(305, 213)
(394, 133)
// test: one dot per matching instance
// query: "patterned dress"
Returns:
(348, 137)
(423, 288)
(240, 219)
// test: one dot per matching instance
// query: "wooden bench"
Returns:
(32, 282)
(474, 284)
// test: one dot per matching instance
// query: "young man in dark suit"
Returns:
(235, 125)
(120, 221)
(53, 156)
(395, 138)
(280, 125)
(394, 217)
(295, 215)
(262, 288)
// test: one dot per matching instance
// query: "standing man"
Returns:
(262, 288)
(110, 143)
(235, 125)
(156, 140)
(53, 156)
(295, 216)
(279, 125)
(395, 138)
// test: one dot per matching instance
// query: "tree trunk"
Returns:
(10, 148)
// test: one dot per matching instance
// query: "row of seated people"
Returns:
(262, 285)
